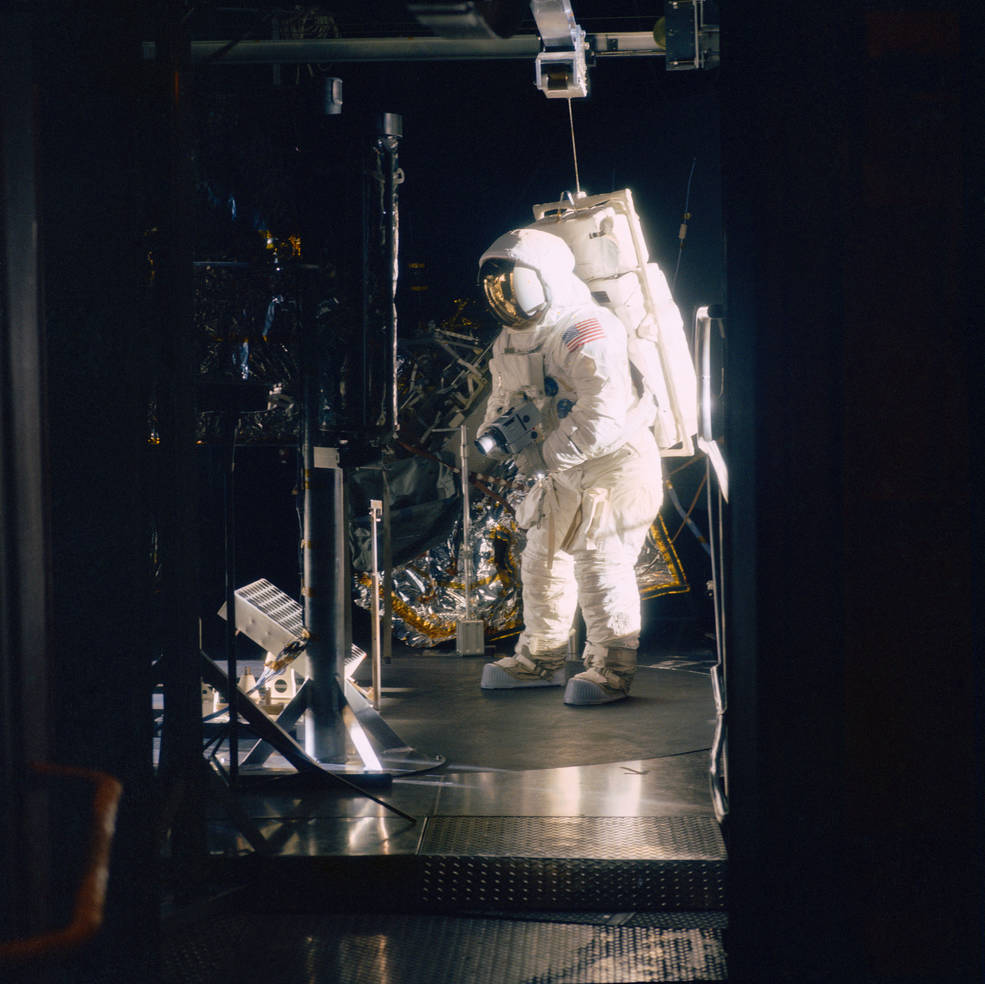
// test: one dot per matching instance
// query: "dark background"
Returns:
(481, 146)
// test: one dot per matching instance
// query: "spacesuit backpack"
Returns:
(605, 235)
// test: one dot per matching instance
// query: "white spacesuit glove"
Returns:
(530, 462)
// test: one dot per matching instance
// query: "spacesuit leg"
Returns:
(610, 604)
(621, 502)
(549, 603)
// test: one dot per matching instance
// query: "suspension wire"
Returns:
(574, 149)
(686, 516)
(682, 234)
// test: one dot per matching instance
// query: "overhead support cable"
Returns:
(574, 149)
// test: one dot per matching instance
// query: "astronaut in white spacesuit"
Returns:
(595, 462)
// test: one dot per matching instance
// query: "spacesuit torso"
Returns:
(573, 364)
(576, 371)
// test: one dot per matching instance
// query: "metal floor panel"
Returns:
(600, 838)
(516, 863)
(312, 837)
(675, 785)
(412, 949)
(528, 863)
(638, 863)
(653, 920)
(450, 883)
(434, 703)
(310, 822)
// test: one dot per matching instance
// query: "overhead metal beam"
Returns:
(426, 48)
(606, 44)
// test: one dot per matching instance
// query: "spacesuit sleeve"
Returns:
(496, 401)
(599, 371)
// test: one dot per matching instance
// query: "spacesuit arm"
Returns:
(596, 424)
(498, 401)
(499, 395)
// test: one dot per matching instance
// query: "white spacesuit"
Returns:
(596, 463)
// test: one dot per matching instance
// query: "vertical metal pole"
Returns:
(375, 512)
(325, 554)
(392, 128)
(466, 527)
(324, 733)
(387, 567)
(376, 401)
(229, 549)
(380, 242)
(393, 131)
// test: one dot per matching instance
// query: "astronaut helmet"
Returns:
(515, 293)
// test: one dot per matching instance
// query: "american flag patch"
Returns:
(582, 333)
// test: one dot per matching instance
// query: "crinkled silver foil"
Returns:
(429, 593)
(658, 569)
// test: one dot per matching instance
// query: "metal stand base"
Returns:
(379, 752)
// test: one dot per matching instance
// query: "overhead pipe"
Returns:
(425, 48)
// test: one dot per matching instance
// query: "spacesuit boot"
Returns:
(606, 679)
(523, 669)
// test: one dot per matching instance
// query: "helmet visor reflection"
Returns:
(515, 294)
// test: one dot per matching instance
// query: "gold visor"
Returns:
(515, 294)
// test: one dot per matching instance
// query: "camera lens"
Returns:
(486, 442)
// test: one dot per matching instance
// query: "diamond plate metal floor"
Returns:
(504, 871)
(414, 949)
(640, 863)
(601, 838)
(517, 864)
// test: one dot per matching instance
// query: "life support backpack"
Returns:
(611, 257)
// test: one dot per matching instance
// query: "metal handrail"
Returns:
(90, 898)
